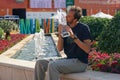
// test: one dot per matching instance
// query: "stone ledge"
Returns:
(90, 75)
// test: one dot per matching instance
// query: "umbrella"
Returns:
(102, 15)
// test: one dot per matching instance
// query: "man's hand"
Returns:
(60, 29)
(69, 30)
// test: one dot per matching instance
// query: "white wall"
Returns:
(39, 15)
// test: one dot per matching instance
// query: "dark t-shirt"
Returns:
(70, 47)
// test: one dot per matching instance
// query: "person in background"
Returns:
(76, 47)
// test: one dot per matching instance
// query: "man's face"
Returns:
(70, 17)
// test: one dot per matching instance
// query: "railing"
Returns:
(100, 1)
(9, 17)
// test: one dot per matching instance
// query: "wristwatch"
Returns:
(75, 37)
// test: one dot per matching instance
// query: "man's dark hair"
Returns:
(78, 12)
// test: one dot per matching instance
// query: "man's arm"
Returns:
(60, 39)
(85, 45)
(60, 43)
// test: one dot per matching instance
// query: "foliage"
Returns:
(5, 44)
(105, 62)
(109, 40)
(1, 33)
(8, 25)
(96, 25)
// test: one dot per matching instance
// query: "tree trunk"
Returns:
(7, 34)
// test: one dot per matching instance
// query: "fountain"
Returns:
(44, 46)
(41, 46)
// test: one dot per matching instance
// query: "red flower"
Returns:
(105, 62)
(5, 44)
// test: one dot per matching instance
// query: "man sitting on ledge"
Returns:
(76, 47)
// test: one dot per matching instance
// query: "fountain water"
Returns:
(39, 40)
(63, 22)
(41, 46)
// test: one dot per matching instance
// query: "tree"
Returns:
(8, 26)
(109, 40)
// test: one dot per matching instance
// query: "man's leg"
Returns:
(40, 69)
(57, 67)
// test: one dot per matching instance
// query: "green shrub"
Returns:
(8, 26)
(1, 33)
(109, 40)
(96, 25)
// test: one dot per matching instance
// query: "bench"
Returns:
(90, 75)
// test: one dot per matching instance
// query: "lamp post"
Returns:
(115, 6)
(108, 2)
(7, 11)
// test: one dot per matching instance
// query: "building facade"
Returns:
(89, 7)
(94, 6)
